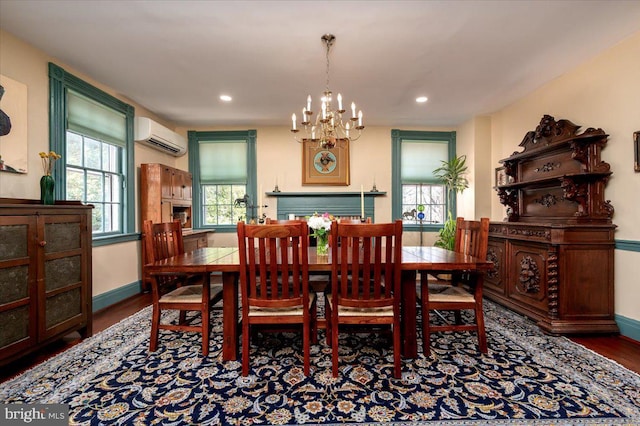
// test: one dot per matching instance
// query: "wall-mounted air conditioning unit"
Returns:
(159, 137)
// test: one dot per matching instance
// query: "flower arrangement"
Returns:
(321, 226)
(48, 160)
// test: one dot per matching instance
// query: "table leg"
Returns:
(409, 332)
(229, 316)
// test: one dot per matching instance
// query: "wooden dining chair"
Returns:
(170, 291)
(365, 282)
(274, 282)
(463, 291)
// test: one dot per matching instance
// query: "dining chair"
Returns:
(365, 282)
(274, 282)
(170, 291)
(463, 291)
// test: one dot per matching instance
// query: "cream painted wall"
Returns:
(604, 92)
(22, 62)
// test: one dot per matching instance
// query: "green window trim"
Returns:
(194, 138)
(397, 137)
(60, 81)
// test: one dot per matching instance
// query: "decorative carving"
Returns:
(547, 200)
(548, 132)
(578, 192)
(509, 198)
(552, 282)
(548, 167)
(529, 277)
(492, 256)
(607, 209)
(539, 233)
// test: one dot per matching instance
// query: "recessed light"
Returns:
(225, 98)
(421, 99)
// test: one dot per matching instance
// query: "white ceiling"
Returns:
(176, 57)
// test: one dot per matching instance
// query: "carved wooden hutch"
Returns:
(554, 254)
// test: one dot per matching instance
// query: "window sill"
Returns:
(115, 239)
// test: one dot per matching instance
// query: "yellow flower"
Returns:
(48, 160)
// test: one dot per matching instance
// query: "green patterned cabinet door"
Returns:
(17, 284)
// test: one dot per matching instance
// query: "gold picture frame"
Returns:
(321, 166)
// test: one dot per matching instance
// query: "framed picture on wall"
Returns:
(321, 166)
(636, 150)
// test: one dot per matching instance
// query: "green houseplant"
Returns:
(452, 174)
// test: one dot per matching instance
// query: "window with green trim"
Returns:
(419, 197)
(93, 131)
(223, 165)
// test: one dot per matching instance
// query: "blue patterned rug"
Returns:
(527, 378)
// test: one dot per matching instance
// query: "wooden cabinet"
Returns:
(554, 254)
(165, 194)
(45, 274)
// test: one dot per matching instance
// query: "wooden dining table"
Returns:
(226, 260)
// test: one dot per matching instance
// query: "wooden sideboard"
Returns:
(45, 274)
(554, 253)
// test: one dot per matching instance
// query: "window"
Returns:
(93, 131)
(223, 165)
(419, 198)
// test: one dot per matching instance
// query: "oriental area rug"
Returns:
(527, 378)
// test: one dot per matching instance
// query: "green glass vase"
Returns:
(46, 190)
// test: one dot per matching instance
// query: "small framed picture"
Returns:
(501, 176)
(636, 150)
(322, 166)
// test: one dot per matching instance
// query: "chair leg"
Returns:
(306, 338)
(334, 344)
(327, 316)
(206, 315)
(246, 339)
(155, 325)
(397, 360)
(182, 317)
(426, 336)
(482, 336)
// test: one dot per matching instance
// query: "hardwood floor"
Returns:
(623, 350)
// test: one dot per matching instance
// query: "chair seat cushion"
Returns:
(288, 311)
(448, 293)
(190, 294)
(348, 311)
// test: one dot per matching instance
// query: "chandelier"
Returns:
(328, 127)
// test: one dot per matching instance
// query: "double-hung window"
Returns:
(93, 131)
(419, 197)
(223, 165)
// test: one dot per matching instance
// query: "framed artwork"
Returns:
(636, 150)
(321, 166)
(13, 126)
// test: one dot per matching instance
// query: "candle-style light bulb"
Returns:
(353, 109)
(339, 102)
(308, 102)
(293, 119)
(360, 118)
(346, 129)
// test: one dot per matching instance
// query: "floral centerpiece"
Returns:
(321, 226)
(46, 181)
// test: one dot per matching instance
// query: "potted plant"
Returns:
(452, 174)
